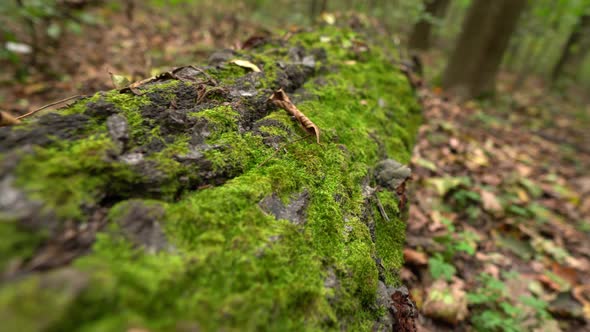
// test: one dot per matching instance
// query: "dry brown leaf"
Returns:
(281, 99)
(550, 283)
(6, 119)
(491, 203)
(582, 294)
(414, 257)
(568, 274)
(246, 64)
(417, 219)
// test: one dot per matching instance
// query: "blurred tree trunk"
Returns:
(479, 50)
(317, 7)
(420, 37)
(575, 48)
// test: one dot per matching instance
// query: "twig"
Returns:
(381, 209)
(282, 147)
(49, 105)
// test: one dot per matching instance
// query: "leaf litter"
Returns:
(500, 213)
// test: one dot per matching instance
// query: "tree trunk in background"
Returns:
(317, 7)
(479, 50)
(420, 37)
(575, 48)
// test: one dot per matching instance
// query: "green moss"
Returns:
(235, 267)
(73, 174)
(228, 73)
(80, 106)
(389, 236)
(17, 242)
(32, 296)
(273, 131)
(130, 106)
(222, 118)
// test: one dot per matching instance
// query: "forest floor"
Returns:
(498, 236)
(499, 228)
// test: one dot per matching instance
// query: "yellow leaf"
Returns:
(329, 18)
(522, 195)
(119, 81)
(246, 64)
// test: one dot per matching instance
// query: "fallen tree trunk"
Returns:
(192, 202)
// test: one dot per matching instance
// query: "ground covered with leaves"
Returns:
(499, 232)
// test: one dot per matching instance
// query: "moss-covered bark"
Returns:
(163, 210)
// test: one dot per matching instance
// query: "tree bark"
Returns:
(192, 202)
(479, 50)
(421, 34)
(570, 57)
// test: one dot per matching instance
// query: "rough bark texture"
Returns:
(484, 38)
(170, 208)
(570, 56)
(420, 37)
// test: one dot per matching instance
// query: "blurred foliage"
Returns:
(534, 49)
(37, 24)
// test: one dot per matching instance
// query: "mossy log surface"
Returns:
(195, 204)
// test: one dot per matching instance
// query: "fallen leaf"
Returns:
(553, 282)
(426, 164)
(246, 64)
(476, 159)
(582, 295)
(491, 204)
(281, 99)
(119, 81)
(445, 184)
(7, 120)
(329, 18)
(414, 257)
(446, 302)
(417, 219)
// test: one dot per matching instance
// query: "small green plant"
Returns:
(440, 269)
(495, 310)
(455, 241)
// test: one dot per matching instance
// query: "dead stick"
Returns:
(381, 209)
(49, 105)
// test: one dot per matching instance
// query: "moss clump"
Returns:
(17, 242)
(222, 118)
(235, 266)
(72, 175)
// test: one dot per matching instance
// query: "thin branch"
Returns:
(381, 209)
(50, 105)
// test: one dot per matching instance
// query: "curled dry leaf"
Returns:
(281, 99)
(7, 120)
(246, 64)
